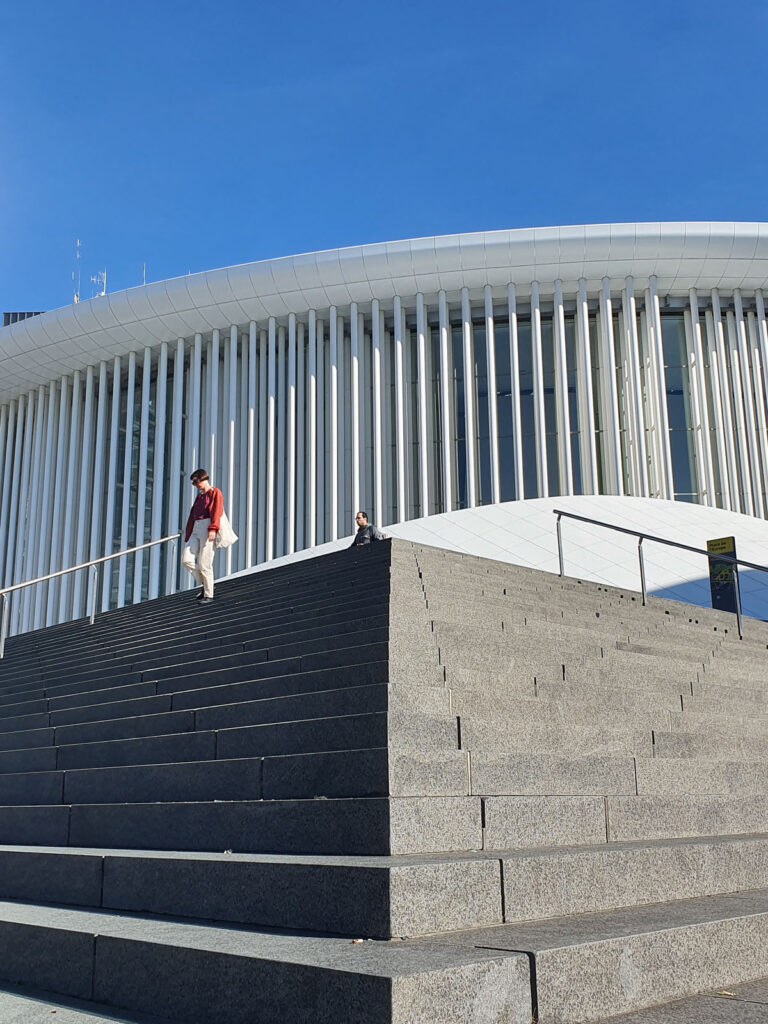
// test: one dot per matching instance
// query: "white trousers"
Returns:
(198, 556)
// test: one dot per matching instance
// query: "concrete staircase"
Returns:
(390, 784)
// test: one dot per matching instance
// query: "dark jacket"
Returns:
(366, 534)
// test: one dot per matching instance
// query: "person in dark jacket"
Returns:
(366, 532)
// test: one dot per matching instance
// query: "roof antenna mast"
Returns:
(76, 272)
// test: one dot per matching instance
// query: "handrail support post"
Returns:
(641, 559)
(3, 622)
(94, 589)
(560, 547)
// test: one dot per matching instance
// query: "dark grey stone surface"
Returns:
(46, 877)
(322, 704)
(21, 1005)
(183, 746)
(34, 759)
(125, 728)
(286, 826)
(197, 780)
(343, 773)
(54, 959)
(344, 732)
(35, 826)
(31, 788)
(116, 693)
(113, 709)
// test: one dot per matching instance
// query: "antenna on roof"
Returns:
(144, 273)
(76, 272)
(100, 280)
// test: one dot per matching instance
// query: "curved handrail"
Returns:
(656, 540)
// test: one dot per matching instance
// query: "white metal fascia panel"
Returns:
(472, 252)
(522, 251)
(720, 239)
(648, 242)
(374, 262)
(329, 268)
(158, 298)
(572, 245)
(446, 250)
(745, 239)
(423, 256)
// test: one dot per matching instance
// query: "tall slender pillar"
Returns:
(400, 453)
(378, 483)
(562, 405)
(446, 386)
(708, 475)
(290, 545)
(312, 430)
(470, 424)
(539, 421)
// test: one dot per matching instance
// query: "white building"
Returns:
(407, 378)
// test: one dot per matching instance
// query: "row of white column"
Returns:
(303, 422)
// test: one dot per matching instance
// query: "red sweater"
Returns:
(209, 505)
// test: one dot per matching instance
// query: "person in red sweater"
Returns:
(200, 533)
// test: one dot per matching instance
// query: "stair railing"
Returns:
(656, 540)
(93, 565)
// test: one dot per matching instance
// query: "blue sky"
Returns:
(195, 135)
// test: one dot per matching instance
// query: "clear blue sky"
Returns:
(193, 134)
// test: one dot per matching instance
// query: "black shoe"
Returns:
(200, 596)
(205, 600)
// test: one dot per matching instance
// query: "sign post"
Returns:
(723, 576)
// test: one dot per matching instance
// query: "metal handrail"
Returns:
(656, 540)
(93, 564)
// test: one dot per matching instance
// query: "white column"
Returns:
(752, 448)
(174, 476)
(290, 546)
(312, 431)
(241, 433)
(542, 480)
(378, 503)
(32, 518)
(762, 327)
(333, 444)
(635, 388)
(586, 408)
(423, 384)
(252, 453)
(69, 507)
(470, 426)
(742, 446)
(141, 492)
(96, 546)
(389, 481)
(44, 547)
(322, 433)
(354, 391)
(760, 400)
(231, 495)
(610, 404)
(301, 438)
(280, 430)
(493, 420)
(195, 394)
(109, 521)
(341, 377)
(661, 378)
(15, 481)
(696, 406)
(514, 387)
(213, 406)
(562, 404)
(86, 462)
(59, 493)
(7, 435)
(271, 399)
(128, 480)
(22, 511)
(730, 501)
(261, 528)
(446, 383)
(158, 471)
(732, 461)
(402, 511)
(708, 481)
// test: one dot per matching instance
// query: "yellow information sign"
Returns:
(722, 574)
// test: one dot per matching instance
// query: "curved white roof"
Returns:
(682, 255)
